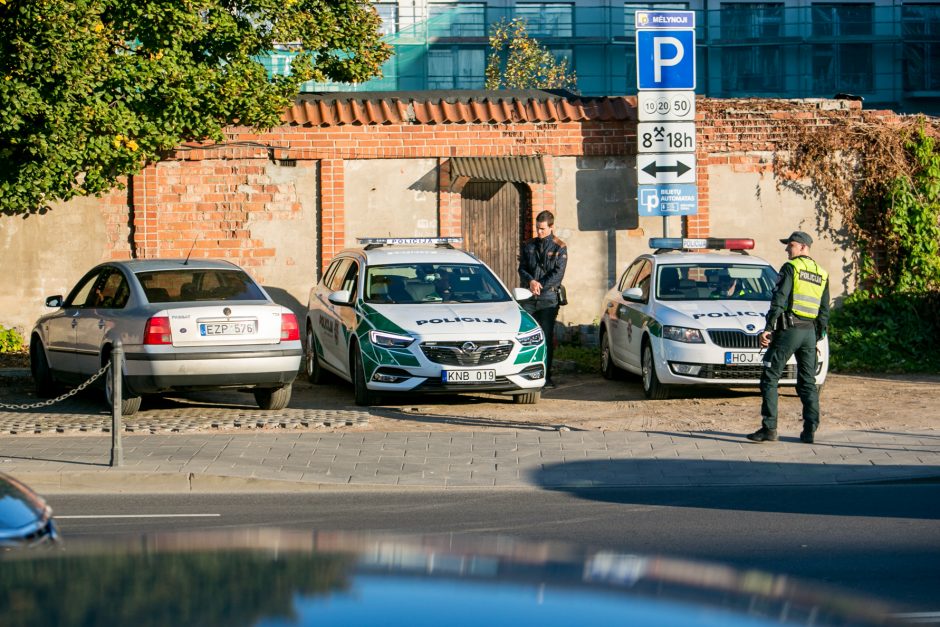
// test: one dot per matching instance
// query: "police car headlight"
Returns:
(390, 340)
(683, 334)
(530, 338)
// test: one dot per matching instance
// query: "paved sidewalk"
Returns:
(520, 459)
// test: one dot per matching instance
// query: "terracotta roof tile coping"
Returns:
(456, 107)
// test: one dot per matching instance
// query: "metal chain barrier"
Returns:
(68, 394)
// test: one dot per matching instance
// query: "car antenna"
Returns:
(186, 261)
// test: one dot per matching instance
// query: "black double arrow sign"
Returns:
(654, 168)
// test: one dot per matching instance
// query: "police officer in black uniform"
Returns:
(542, 263)
(798, 317)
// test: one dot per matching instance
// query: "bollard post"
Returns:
(117, 361)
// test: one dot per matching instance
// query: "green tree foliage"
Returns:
(892, 324)
(93, 90)
(528, 64)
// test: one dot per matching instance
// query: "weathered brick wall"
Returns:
(744, 134)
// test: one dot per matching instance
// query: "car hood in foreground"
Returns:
(476, 320)
(743, 315)
(315, 577)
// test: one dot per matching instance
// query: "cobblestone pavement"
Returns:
(85, 413)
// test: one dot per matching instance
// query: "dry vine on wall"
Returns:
(855, 166)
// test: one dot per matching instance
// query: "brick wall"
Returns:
(207, 195)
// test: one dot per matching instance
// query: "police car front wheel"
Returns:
(652, 387)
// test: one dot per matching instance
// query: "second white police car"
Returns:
(686, 314)
(418, 315)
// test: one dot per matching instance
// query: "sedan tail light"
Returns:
(158, 331)
(289, 329)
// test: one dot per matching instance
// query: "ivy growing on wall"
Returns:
(881, 177)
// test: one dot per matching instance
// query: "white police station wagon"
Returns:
(678, 317)
(418, 315)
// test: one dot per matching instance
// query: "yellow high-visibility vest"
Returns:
(809, 281)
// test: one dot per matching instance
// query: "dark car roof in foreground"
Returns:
(148, 265)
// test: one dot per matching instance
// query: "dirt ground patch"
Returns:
(588, 402)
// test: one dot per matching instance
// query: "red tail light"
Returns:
(157, 331)
(289, 329)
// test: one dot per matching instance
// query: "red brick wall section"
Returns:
(207, 206)
(332, 209)
(116, 207)
(449, 214)
(208, 195)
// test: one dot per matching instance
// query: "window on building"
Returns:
(450, 19)
(920, 29)
(842, 20)
(753, 68)
(456, 68)
(389, 14)
(842, 66)
(751, 20)
(547, 19)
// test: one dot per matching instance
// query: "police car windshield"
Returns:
(714, 281)
(414, 283)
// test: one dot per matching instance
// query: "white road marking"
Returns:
(140, 516)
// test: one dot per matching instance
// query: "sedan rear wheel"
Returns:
(129, 403)
(651, 385)
(273, 398)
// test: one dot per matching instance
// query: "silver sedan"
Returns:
(184, 325)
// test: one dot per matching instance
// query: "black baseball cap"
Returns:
(799, 237)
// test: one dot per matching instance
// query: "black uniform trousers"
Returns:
(799, 340)
(545, 311)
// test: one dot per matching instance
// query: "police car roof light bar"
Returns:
(440, 242)
(665, 244)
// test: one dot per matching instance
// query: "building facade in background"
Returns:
(886, 51)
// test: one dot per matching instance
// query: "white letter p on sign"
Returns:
(659, 62)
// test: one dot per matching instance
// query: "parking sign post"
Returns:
(666, 167)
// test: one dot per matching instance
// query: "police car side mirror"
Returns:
(521, 293)
(633, 293)
(340, 297)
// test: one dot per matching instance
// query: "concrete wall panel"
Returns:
(391, 198)
(292, 272)
(45, 255)
(752, 206)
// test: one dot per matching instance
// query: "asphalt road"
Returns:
(878, 540)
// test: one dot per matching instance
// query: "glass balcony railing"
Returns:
(886, 53)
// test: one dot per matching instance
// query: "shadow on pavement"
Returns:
(748, 486)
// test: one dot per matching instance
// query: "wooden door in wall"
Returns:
(495, 216)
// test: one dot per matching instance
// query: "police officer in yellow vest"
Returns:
(798, 317)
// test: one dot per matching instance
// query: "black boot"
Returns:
(763, 435)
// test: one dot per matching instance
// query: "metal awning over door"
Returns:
(522, 169)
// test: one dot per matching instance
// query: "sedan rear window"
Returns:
(180, 286)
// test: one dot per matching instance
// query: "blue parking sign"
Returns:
(665, 59)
